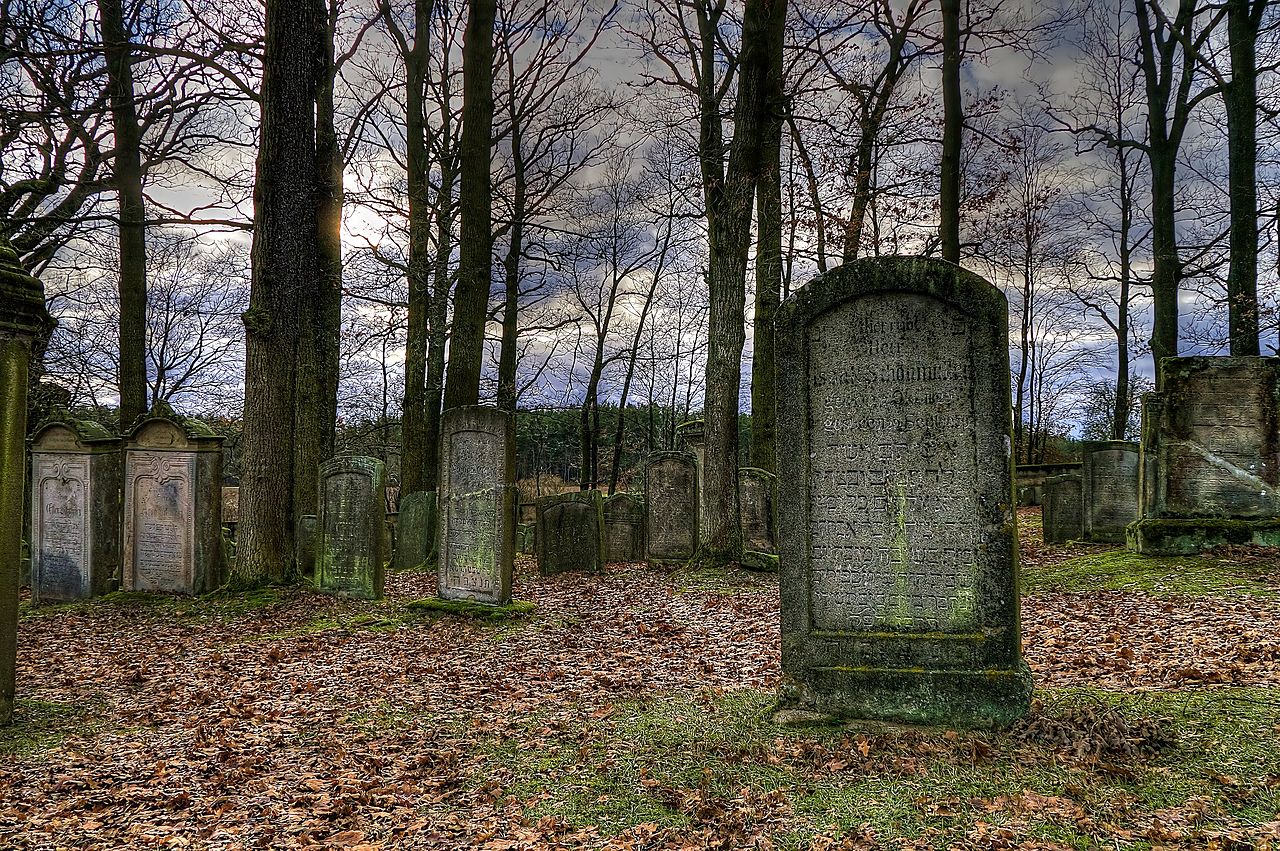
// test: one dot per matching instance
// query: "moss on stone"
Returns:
(472, 609)
(767, 562)
(1169, 536)
(1122, 570)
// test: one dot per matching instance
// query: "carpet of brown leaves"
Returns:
(262, 730)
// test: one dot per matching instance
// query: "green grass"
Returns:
(684, 761)
(1120, 570)
(40, 726)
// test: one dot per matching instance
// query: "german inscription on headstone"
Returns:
(75, 510)
(1110, 489)
(478, 513)
(897, 527)
(671, 507)
(624, 528)
(351, 527)
(570, 533)
(172, 505)
(1063, 508)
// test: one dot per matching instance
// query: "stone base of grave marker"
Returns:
(1184, 536)
(416, 531)
(570, 533)
(1063, 509)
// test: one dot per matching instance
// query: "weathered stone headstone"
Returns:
(75, 510)
(1210, 456)
(305, 544)
(416, 530)
(570, 534)
(896, 524)
(526, 537)
(1110, 481)
(757, 490)
(691, 437)
(351, 527)
(231, 508)
(624, 528)
(172, 505)
(478, 512)
(1063, 509)
(671, 507)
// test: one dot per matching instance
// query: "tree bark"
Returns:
(285, 260)
(127, 168)
(507, 391)
(764, 426)
(320, 306)
(730, 237)
(1241, 97)
(471, 301)
(413, 423)
(952, 133)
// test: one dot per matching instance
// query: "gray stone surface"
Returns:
(231, 508)
(896, 522)
(757, 493)
(691, 437)
(570, 533)
(671, 507)
(351, 527)
(1110, 481)
(1210, 456)
(624, 528)
(1063, 508)
(76, 475)
(172, 506)
(305, 544)
(526, 537)
(479, 504)
(416, 530)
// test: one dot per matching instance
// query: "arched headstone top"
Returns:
(163, 428)
(66, 434)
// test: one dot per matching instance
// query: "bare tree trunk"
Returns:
(413, 423)
(507, 390)
(285, 265)
(321, 305)
(471, 302)
(127, 168)
(1120, 418)
(764, 426)
(952, 133)
(1241, 97)
(730, 237)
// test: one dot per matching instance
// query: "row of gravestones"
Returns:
(140, 512)
(1205, 473)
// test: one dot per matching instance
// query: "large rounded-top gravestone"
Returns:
(570, 533)
(671, 507)
(1110, 489)
(351, 527)
(897, 529)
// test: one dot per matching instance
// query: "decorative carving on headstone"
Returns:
(896, 524)
(479, 504)
(172, 505)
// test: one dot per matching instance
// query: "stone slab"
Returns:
(570, 533)
(757, 495)
(671, 504)
(351, 527)
(1063, 509)
(416, 531)
(624, 528)
(1110, 495)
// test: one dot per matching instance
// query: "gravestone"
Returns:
(478, 513)
(1063, 509)
(624, 528)
(1210, 453)
(231, 508)
(351, 527)
(526, 537)
(897, 529)
(305, 544)
(671, 507)
(757, 490)
(691, 437)
(416, 530)
(172, 505)
(75, 510)
(1110, 482)
(570, 533)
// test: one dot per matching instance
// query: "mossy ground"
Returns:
(673, 759)
(472, 609)
(1120, 570)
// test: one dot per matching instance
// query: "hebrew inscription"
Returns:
(893, 472)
